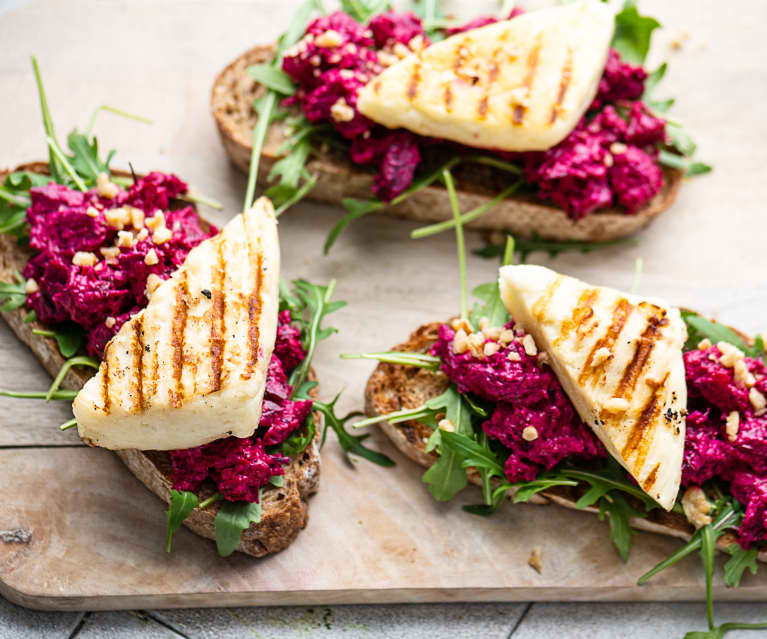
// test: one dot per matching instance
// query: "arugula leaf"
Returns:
(720, 631)
(85, 157)
(297, 27)
(403, 358)
(357, 208)
(298, 441)
(13, 295)
(272, 78)
(182, 503)
(544, 481)
(350, 444)
(684, 164)
(525, 246)
(474, 455)
(620, 512)
(316, 300)
(447, 477)
(69, 337)
(739, 561)
(277, 480)
(363, 10)
(490, 294)
(232, 518)
(633, 33)
(728, 516)
(699, 327)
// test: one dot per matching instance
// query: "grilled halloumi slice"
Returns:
(516, 85)
(191, 367)
(619, 359)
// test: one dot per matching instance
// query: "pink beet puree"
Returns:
(102, 296)
(527, 395)
(713, 395)
(241, 466)
(608, 160)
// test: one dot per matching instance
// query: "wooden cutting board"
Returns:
(97, 542)
(374, 535)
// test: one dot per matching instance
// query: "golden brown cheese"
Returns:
(191, 367)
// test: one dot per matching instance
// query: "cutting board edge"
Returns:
(43, 601)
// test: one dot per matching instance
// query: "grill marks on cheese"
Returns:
(516, 85)
(619, 358)
(204, 339)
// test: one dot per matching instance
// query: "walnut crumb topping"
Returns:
(732, 426)
(529, 433)
(696, 507)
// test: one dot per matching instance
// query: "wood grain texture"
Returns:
(99, 544)
(231, 103)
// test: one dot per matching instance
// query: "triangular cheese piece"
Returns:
(516, 85)
(619, 359)
(191, 367)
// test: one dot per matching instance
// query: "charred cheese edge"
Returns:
(619, 359)
(191, 367)
(516, 85)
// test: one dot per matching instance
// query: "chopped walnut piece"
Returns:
(529, 433)
(105, 188)
(529, 345)
(536, 560)
(696, 507)
(732, 426)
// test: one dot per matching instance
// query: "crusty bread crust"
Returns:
(232, 106)
(284, 509)
(393, 387)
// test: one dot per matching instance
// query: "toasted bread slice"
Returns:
(284, 509)
(232, 105)
(393, 387)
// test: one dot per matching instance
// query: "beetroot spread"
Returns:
(719, 395)
(532, 417)
(240, 467)
(97, 249)
(610, 159)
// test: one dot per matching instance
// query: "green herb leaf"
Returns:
(544, 481)
(740, 561)
(358, 208)
(355, 210)
(633, 33)
(299, 440)
(525, 246)
(363, 10)
(85, 157)
(277, 480)
(620, 529)
(297, 27)
(273, 78)
(350, 444)
(447, 477)
(182, 503)
(683, 164)
(473, 454)
(699, 327)
(419, 360)
(720, 631)
(13, 295)
(69, 337)
(315, 300)
(231, 520)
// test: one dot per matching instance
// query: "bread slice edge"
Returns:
(393, 387)
(231, 103)
(284, 509)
